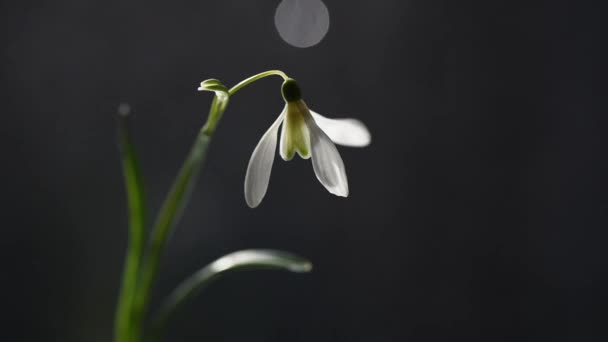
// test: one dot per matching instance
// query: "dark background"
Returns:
(478, 212)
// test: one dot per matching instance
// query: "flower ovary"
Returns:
(290, 90)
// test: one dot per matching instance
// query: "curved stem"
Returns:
(216, 115)
(255, 78)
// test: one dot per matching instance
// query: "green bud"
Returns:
(213, 85)
(290, 90)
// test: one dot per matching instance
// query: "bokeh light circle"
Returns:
(302, 23)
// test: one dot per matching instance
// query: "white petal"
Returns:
(260, 165)
(326, 162)
(346, 132)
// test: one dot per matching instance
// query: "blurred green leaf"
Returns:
(241, 260)
(137, 216)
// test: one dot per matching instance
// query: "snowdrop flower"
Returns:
(311, 136)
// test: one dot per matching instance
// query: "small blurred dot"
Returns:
(302, 23)
(124, 109)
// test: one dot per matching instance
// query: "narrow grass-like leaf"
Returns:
(241, 260)
(137, 215)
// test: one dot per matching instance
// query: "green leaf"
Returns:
(241, 260)
(137, 216)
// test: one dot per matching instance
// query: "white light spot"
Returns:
(124, 109)
(302, 23)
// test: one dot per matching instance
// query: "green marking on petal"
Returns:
(295, 136)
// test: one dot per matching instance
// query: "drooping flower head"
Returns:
(310, 135)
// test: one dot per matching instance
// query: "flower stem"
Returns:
(254, 78)
(219, 102)
(141, 272)
(166, 221)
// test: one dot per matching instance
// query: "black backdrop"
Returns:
(478, 212)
